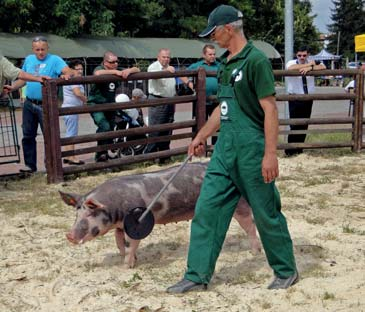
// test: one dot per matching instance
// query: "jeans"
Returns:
(32, 116)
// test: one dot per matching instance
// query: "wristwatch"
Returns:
(312, 67)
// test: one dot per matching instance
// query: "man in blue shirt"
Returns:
(41, 63)
(209, 63)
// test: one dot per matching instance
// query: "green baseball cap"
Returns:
(221, 15)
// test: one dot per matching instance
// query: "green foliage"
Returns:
(263, 19)
(348, 18)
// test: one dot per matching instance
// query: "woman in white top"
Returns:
(73, 95)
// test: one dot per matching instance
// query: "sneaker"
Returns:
(26, 169)
(283, 283)
(184, 286)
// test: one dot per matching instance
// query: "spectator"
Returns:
(73, 95)
(102, 93)
(161, 88)
(9, 72)
(244, 162)
(38, 64)
(300, 85)
(209, 63)
(137, 95)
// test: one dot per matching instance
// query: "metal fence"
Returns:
(9, 146)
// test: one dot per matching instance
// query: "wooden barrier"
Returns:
(54, 143)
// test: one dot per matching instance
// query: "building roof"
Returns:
(18, 46)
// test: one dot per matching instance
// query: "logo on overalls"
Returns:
(224, 110)
(111, 86)
(238, 76)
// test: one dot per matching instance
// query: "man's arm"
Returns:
(197, 146)
(270, 166)
(305, 68)
(122, 73)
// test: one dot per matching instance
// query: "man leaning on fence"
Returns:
(300, 85)
(102, 93)
(38, 64)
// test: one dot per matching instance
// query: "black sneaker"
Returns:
(184, 286)
(283, 283)
(26, 169)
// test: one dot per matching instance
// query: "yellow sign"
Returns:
(360, 43)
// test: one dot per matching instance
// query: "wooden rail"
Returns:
(187, 128)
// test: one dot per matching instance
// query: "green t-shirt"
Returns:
(103, 92)
(254, 82)
(211, 82)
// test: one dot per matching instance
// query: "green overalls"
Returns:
(235, 171)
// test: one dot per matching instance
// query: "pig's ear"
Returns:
(93, 204)
(69, 198)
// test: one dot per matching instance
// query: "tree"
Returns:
(348, 18)
(263, 19)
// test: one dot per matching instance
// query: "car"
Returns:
(353, 65)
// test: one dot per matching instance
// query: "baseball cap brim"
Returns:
(207, 31)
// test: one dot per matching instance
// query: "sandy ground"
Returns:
(323, 198)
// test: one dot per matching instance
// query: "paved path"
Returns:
(320, 109)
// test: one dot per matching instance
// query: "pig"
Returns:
(104, 208)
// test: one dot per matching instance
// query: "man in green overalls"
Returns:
(244, 162)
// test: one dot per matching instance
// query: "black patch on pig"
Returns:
(95, 231)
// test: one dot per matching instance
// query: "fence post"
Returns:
(360, 111)
(357, 124)
(200, 98)
(51, 126)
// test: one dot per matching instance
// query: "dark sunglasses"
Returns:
(40, 38)
(112, 62)
(302, 55)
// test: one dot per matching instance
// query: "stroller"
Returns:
(127, 119)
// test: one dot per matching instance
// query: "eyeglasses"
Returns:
(112, 62)
(302, 55)
(39, 38)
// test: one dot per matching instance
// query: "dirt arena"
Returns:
(323, 198)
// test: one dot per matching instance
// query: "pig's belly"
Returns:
(188, 215)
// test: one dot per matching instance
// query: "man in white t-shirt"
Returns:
(300, 85)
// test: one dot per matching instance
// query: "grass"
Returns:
(328, 296)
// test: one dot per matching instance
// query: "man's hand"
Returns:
(41, 79)
(270, 167)
(197, 147)
(124, 73)
(171, 69)
(7, 89)
(66, 76)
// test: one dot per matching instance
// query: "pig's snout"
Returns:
(70, 237)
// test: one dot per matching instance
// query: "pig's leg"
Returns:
(119, 238)
(132, 252)
(243, 216)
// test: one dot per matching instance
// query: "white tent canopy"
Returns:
(324, 56)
